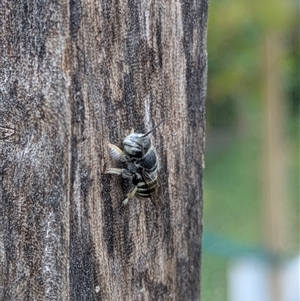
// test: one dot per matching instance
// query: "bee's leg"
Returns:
(125, 173)
(130, 195)
(115, 171)
(116, 153)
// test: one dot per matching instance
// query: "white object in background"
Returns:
(290, 280)
(249, 280)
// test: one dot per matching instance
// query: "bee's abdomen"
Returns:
(145, 189)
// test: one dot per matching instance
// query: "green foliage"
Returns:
(232, 191)
(236, 33)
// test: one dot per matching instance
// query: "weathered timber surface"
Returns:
(75, 75)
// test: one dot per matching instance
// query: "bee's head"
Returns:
(136, 145)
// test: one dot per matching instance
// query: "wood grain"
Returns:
(75, 76)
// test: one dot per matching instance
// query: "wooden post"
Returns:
(76, 75)
(274, 187)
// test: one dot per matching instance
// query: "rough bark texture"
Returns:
(75, 75)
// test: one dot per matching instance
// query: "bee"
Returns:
(140, 165)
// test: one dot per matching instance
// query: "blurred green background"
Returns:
(252, 147)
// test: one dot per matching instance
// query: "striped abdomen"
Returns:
(145, 189)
